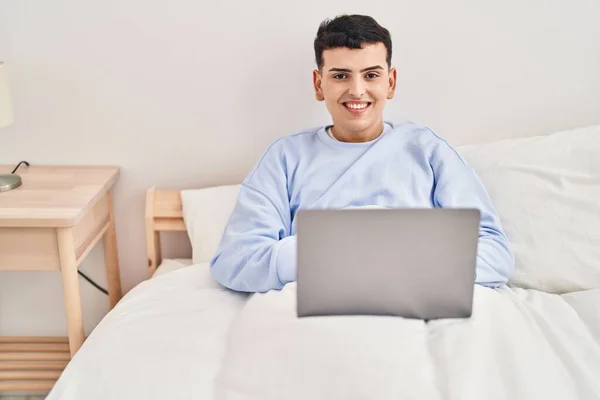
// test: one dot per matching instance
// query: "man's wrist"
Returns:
(286, 260)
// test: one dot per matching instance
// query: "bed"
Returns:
(180, 335)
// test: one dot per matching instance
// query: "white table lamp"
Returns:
(6, 114)
(7, 181)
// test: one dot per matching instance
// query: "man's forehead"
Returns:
(343, 57)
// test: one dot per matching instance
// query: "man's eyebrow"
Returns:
(362, 70)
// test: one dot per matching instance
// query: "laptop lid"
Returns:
(413, 263)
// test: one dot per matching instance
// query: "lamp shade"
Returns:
(6, 112)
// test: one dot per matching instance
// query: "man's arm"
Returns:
(458, 186)
(257, 253)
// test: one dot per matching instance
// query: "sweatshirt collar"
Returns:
(336, 144)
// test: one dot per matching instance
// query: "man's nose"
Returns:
(357, 88)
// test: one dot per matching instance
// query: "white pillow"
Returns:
(547, 192)
(205, 213)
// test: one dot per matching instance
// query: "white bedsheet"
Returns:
(164, 340)
(172, 264)
(181, 336)
(519, 344)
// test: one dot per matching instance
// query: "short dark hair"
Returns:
(351, 31)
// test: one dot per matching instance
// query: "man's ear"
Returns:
(392, 86)
(317, 81)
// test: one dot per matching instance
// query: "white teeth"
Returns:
(357, 106)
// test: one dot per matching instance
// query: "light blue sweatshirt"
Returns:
(406, 166)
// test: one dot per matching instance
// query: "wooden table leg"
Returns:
(111, 258)
(68, 268)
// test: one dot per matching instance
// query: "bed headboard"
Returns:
(163, 214)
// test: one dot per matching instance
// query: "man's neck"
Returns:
(357, 137)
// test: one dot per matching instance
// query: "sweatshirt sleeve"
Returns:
(257, 252)
(459, 186)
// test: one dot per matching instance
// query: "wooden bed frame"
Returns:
(163, 214)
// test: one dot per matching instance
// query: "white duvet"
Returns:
(181, 336)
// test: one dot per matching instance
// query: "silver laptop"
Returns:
(412, 263)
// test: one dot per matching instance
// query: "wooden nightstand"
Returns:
(51, 222)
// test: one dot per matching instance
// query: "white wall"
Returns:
(189, 93)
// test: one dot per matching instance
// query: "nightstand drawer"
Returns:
(36, 249)
(33, 249)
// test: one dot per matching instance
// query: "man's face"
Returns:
(355, 85)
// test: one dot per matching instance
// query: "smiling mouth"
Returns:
(357, 107)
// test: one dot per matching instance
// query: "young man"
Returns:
(358, 161)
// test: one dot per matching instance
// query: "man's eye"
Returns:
(339, 76)
(372, 75)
